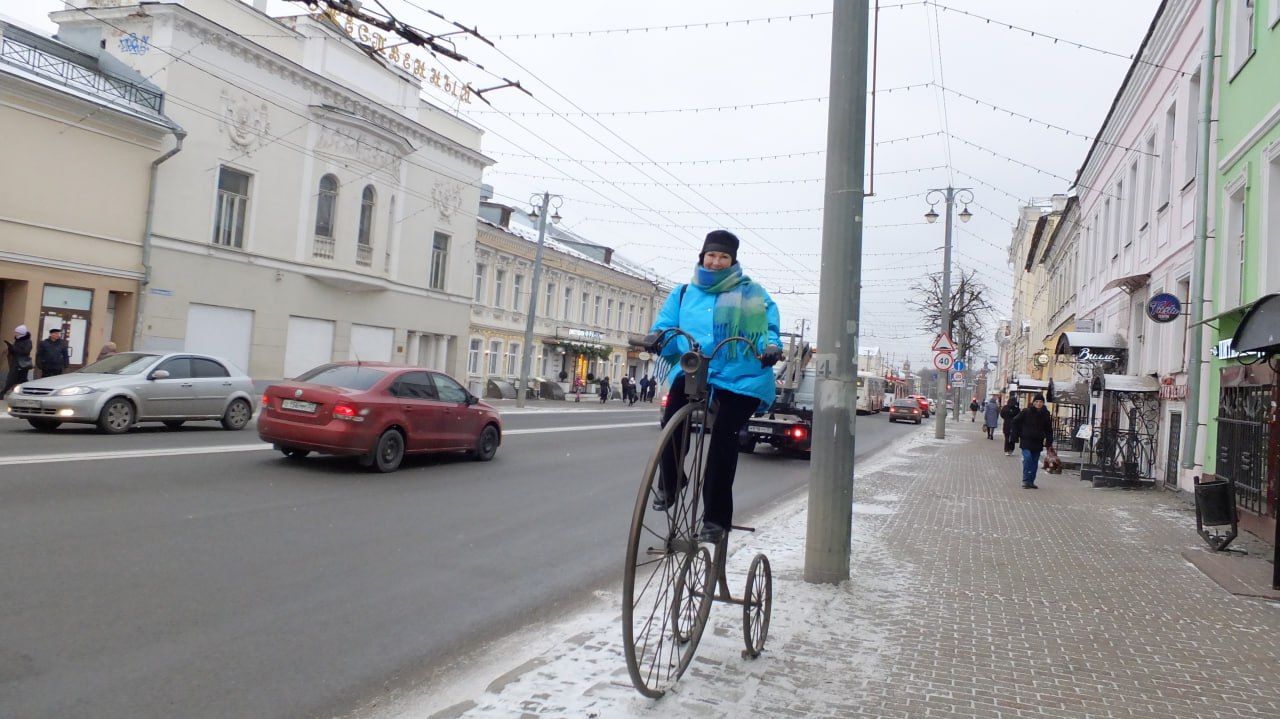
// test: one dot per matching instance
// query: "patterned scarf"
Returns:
(740, 307)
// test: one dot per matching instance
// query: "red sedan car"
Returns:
(378, 412)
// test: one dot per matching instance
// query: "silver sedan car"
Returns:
(124, 389)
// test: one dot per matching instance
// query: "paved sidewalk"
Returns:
(970, 598)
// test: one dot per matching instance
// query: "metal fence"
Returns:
(1242, 443)
(75, 75)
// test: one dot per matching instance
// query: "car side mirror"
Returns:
(472, 399)
(160, 374)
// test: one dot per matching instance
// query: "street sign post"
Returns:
(957, 377)
(943, 343)
(958, 365)
(942, 361)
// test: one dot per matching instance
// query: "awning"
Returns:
(1129, 284)
(1070, 343)
(1029, 384)
(1130, 383)
(1233, 311)
(1259, 331)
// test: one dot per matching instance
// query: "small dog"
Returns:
(1052, 464)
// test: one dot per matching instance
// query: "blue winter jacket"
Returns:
(691, 310)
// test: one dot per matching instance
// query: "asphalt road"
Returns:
(196, 573)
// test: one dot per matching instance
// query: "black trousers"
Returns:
(731, 410)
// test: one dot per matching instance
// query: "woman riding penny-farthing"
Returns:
(718, 338)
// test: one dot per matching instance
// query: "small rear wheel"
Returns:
(757, 603)
(746, 444)
(44, 425)
(694, 588)
(116, 416)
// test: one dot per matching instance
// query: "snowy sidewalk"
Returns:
(970, 597)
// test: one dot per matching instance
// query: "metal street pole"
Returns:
(830, 527)
(940, 419)
(527, 356)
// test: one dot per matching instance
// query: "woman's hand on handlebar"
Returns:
(771, 356)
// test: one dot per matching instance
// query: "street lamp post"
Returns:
(526, 358)
(948, 195)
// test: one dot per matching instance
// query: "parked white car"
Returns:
(118, 392)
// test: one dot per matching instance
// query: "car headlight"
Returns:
(70, 391)
(17, 389)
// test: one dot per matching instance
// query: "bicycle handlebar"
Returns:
(670, 333)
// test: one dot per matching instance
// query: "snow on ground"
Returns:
(574, 667)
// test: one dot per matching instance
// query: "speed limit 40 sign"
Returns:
(943, 360)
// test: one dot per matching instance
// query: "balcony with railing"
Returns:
(73, 75)
(364, 255)
(322, 248)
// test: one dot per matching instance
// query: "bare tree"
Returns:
(970, 309)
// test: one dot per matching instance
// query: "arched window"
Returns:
(325, 205)
(364, 238)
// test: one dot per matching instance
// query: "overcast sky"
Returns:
(653, 181)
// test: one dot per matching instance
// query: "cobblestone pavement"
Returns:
(970, 597)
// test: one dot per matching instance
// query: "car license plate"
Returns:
(24, 403)
(760, 428)
(297, 405)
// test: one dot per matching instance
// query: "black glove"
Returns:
(771, 356)
(651, 341)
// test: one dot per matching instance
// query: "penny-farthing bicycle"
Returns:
(670, 578)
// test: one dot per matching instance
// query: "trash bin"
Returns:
(1215, 503)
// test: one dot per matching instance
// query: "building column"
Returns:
(442, 352)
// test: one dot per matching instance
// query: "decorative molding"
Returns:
(1249, 141)
(447, 197)
(246, 122)
(53, 263)
(376, 153)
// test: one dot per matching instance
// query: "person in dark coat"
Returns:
(644, 388)
(1033, 429)
(974, 407)
(991, 415)
(53, 355)
(1010, 410)
(604, 390)
(19, 355)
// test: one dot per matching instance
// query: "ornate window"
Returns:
(439, 260)
(326, 202)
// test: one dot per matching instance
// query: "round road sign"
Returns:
(942, 360)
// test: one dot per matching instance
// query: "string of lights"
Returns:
(989, 186)
(716, 161)
(1033, 120)
(708, 184)
(1056, 40)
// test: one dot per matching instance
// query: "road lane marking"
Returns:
(543, 430)
(256, 447)
(130, 454)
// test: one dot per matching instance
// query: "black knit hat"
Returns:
(720, 241)
(1038, 398)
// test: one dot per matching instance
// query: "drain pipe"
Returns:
(1195, 367)
(180, 135)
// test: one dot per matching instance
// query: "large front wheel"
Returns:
(665, 593)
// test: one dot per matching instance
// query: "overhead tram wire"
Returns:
(779, 251)
(942, 99)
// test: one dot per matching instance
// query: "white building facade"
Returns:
(319, 209)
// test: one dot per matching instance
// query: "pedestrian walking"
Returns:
(107, 350)
(991, 415)
(720, 302)
(577, 389)
(53, 355)
(1010, 410)
(974, 407)
(604, 390)
(644, 388)
(653, 388)
(1033, 430)
(18, 353)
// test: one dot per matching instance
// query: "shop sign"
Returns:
(1171, 391)
(1225, 350)
(1164, 307)
(574, 333)
(1089, 354)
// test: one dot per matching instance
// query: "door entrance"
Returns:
(1172, 450)
(67, 309)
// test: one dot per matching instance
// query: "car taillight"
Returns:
(266, 401)
(348, 412)
(798, 433)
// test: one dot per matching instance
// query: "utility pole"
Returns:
(830, 529)
(526, 358)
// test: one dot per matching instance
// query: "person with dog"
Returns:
(1033, 430)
